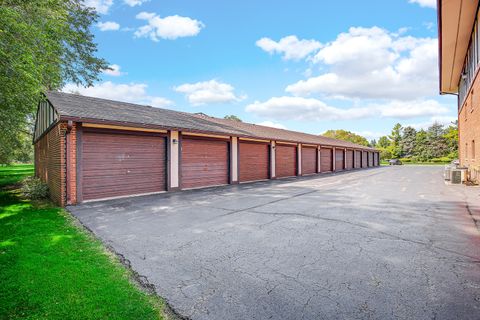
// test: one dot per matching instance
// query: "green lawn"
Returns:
(52, 269)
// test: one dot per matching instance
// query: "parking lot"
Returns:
(389, 242)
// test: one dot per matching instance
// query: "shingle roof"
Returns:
(88, 108)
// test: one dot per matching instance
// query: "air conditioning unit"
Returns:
(448, 172)
(456, 176)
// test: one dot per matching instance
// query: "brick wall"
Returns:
(469, 132)
(50, 159)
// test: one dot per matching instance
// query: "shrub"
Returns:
(406, 160)
(33, 188)
(441, 160)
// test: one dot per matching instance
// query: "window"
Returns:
(470, 65)
(473, 149)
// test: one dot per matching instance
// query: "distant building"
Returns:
(459, 63)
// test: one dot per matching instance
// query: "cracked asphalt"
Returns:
(383, 243)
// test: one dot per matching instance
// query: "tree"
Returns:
(233, 117)
(436, 140)
(383, 142)
(395, 140)
(43, 45)
(346, 136)
(451, 137)
(408, 141)
(422, 149)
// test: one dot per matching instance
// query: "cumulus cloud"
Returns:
(100, 6)
(210, 91)
(131, 92)
(372, 63)
(425, 3)
(369, 135)
(272, 124)
(310, 109)
(444, 120)
(108, 26)
(114, 71)
(171, 27)
(134, 3)
(290, 47)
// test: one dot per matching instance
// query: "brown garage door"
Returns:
(364, 159)
(326, 160)
(339, 160)
(120, 164)
(254, 161)
(370, 159)
(203, 163)
(285, 160)
(349, 159)
(358, 159)
(309, 160)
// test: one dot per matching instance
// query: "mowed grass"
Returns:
(52, 269)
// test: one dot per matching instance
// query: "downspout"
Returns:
(67, 161)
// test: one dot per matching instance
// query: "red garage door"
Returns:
(120, 164)
(364, 159)
(203, 163)
(309, 160)
(339, 160)
(370, 159)
(254, 161)
(326, 160)
(285, 160)
(349, 159)
(358, 159)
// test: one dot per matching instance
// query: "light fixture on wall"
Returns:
(174, 141)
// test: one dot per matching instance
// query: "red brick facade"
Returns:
(50, 160)
(469, 132)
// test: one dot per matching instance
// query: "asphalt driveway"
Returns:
(376, 244)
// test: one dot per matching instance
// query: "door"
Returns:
(370, 159)
(326, 163)
(204, 162)
(364, 159)
(285, 160)
(120, 164)
(358, 159)
(349, 160)
(339, 160)
(309, 160)
(253, 161)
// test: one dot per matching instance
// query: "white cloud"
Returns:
(444, 120)
(210, 91)
(372, 63)
(108, 26)
(100, 6)
(133, 3)
(425, 3)
(114, 71)
(369, 135)
(171, 27)
(310, 109)
(131, 92)
(272, 124)
(291, 47)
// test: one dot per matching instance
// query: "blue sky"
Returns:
(302, 65)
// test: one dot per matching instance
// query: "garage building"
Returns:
(89, 148)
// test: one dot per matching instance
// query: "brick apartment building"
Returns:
(459, 63)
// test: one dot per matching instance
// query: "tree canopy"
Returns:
(437, 141)
(346, 136)
(233, 117)
(43, 45)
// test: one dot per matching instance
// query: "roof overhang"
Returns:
(455, 24)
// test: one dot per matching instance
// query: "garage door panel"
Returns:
(326, 160)
(204, 163)
(339, 160)
(364, 159)
(349, 159)
(309, 160)
(370, 159)
(285, 161)
(254, 161)
(118, 164)
(358, 159)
